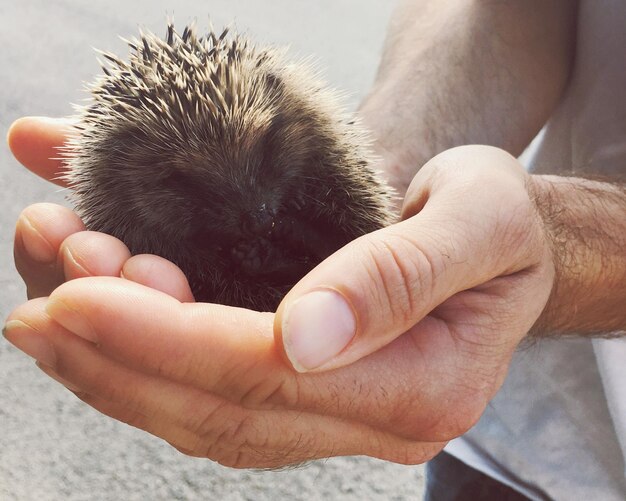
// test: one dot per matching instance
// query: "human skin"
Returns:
(441, 300)
(467, 72)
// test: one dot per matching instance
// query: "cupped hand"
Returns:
(51, 244)
(417, 322)
(470, 260)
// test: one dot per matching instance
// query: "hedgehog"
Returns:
(225, 158)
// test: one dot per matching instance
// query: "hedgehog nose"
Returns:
(258, 222)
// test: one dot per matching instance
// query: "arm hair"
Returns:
(585, 221)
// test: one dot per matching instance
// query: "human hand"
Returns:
(468, 270)
(187, 415)
(51, 244)
(210, 379)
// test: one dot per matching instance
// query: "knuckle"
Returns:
(242, 430)
(224, 437)
(399, 269)
(232, 447)
(247, 441)
(206, 419)
(271, 394)
(222, 427)
(235, 379)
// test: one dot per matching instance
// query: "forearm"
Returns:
(586, 224)
(467, 72)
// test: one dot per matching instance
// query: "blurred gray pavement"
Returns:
(53, 447)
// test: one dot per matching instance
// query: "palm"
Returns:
(212, 380)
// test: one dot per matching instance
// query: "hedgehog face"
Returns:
(224, 159)
(260, 202)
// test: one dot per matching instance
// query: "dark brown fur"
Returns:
(225, 159)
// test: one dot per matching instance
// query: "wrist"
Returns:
(585, 227)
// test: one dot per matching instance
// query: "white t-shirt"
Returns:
(557, 428)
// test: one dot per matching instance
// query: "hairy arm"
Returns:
(586, 225)
(467, 72)
(491, 72)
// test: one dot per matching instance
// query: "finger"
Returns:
(39, 233)
(93, 254)
(293, 447)
(231, 352)
(52, 246)
(34, 141)
(160, 274)
(89, 254)
(193, 419)
(379, 286)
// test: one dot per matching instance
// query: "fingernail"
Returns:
(31, 342)
(71, 319)
(36, 246)
(316, 328)
(49, 371)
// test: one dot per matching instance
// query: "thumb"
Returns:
(382, 284)
(368, 293)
